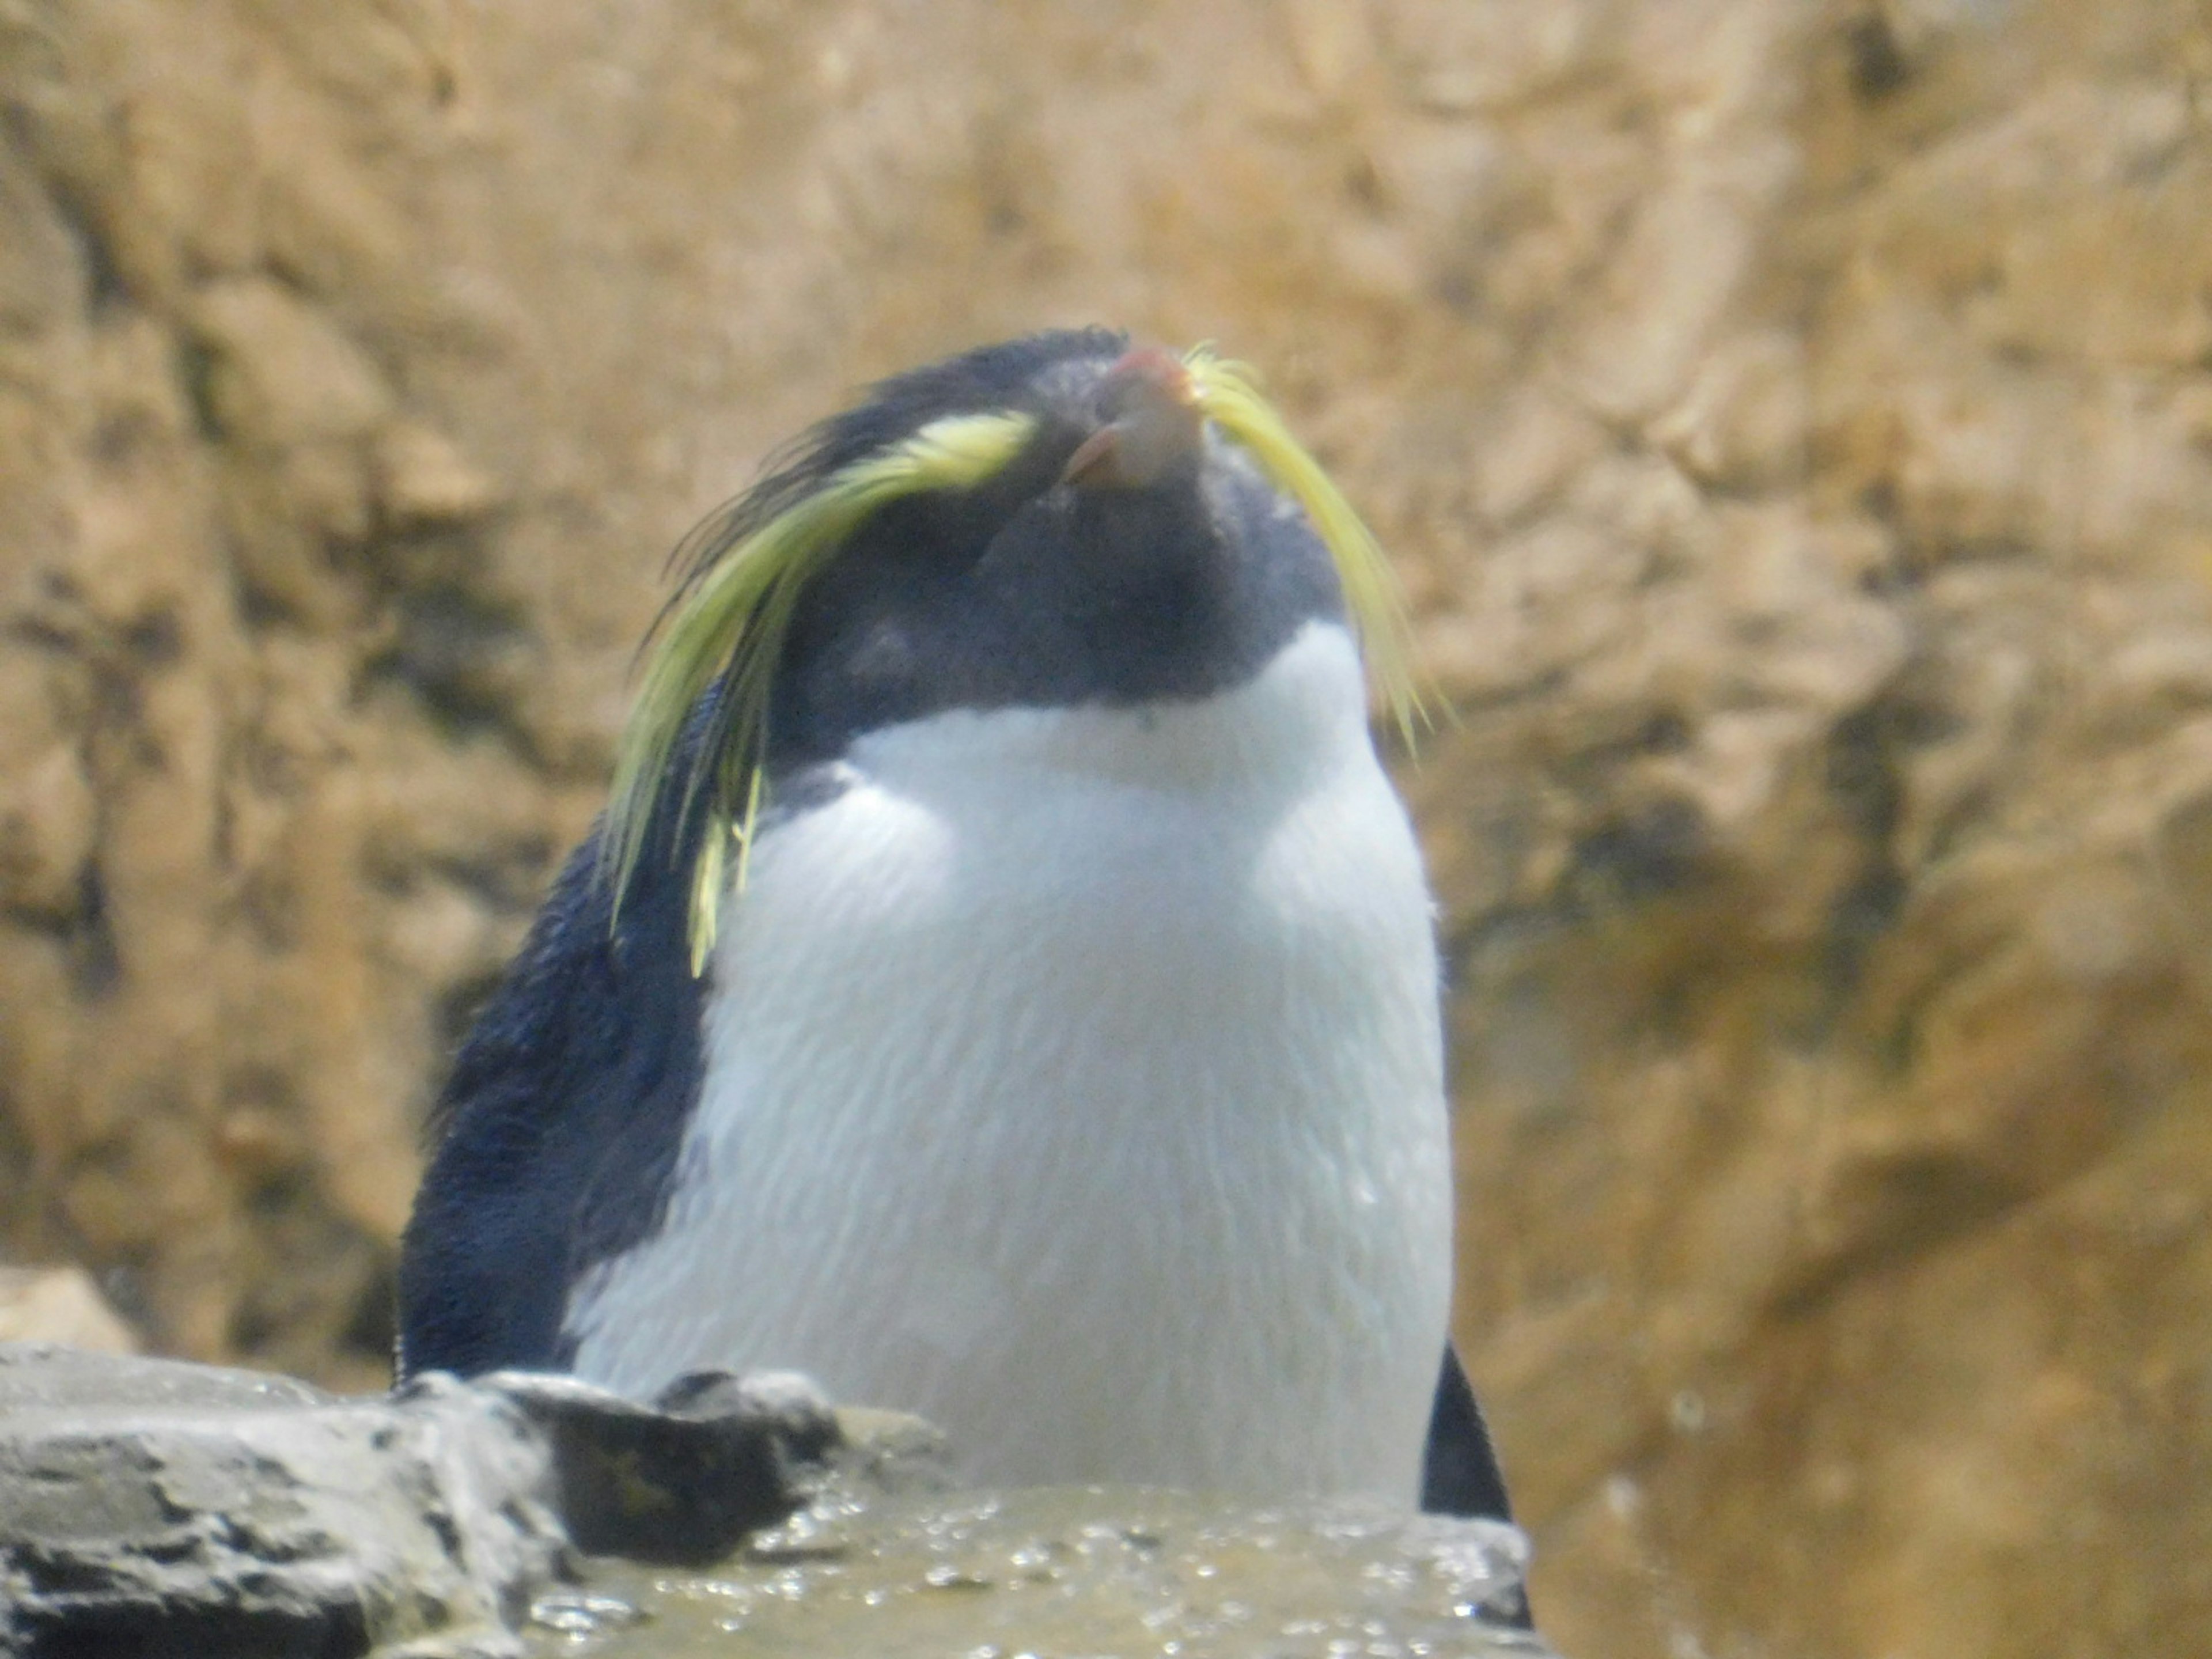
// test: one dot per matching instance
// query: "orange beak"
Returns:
(1152, 424)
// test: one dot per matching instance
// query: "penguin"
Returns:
(1003, 984)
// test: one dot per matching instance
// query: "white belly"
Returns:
(1073, 1079)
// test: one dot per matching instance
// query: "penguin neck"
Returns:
(1302, 713)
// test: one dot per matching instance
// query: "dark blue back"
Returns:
(560, 1126)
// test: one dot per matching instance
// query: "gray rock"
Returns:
(714, 1457)
(889, 1454)
(150, 1508)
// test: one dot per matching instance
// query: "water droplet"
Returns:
(581, 1615)
(945, 1575)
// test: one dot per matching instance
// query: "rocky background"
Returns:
(1794, 418)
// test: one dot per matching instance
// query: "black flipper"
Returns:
(1460, 1474)
(561, 1127)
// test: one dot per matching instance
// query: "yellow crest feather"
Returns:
(1228, 394)
(724, 634)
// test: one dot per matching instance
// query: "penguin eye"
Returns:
(717, 643)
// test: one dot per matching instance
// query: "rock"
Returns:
(152, 1507)
(155, 1507)
(60, 1305)
(891, 1452)
(714, 1457)
(423, 479)
(46, 835)
(1088, 1571)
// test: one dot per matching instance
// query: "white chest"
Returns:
(1074, 1080)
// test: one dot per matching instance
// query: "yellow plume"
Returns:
(1228, 394)
(726, 633)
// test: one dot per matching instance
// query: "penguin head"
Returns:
(1056, 521)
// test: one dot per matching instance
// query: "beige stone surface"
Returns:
(1794, 420)
(60, 1304)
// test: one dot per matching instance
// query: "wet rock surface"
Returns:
(150, 1508)
(1107, 1571)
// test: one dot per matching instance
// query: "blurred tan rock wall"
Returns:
(1795, 419)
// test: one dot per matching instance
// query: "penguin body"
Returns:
(1062, 1061)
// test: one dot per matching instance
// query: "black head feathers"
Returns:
(1017, 523)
